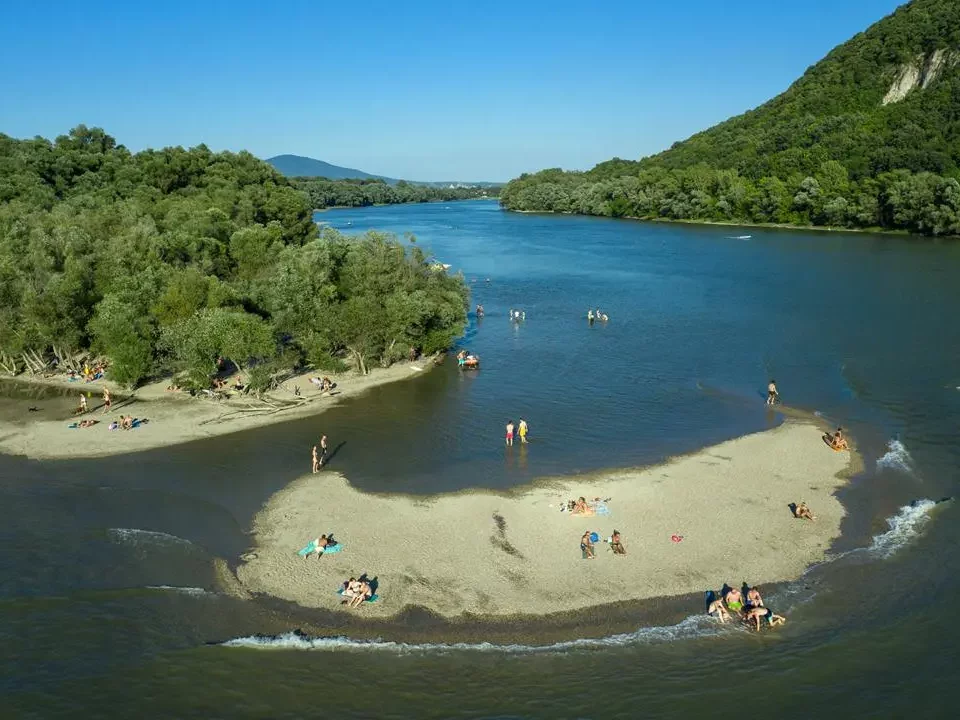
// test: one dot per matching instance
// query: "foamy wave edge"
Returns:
(896, 458)
(134, 536)
(907, 524)
(696, 626)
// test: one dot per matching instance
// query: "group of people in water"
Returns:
(521, 429)
(598, 315)
(749, 609)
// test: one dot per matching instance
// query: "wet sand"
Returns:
(513, 554)
(173, 417)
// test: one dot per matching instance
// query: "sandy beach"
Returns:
(173, 417)
(516, 553)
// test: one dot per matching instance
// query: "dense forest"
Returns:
(171, 260)
(868, 138)
(325, 193)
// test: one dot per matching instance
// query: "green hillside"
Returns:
(868, 137)
(300, 166)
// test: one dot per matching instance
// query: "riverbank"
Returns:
(172, 417)
(718, 515)
(731, 223)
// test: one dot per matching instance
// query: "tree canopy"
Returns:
(168, 260)
(833, 150)
(324, 193)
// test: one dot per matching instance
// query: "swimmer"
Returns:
(716, 609)
(734, 601)
(772, 395)
(759, 613)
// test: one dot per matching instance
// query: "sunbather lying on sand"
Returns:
(801, 511)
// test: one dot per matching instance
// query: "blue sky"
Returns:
(420, 90)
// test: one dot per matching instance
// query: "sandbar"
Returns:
(177, 417)
(494, 554)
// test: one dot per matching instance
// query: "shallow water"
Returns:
(855, 327)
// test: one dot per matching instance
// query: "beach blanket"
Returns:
(372, 598)
(600, 507)
(312, 546)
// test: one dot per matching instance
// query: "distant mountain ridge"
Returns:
(300, 166)
(306, 167)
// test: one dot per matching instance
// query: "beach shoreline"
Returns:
(690, 524)
(174, 417)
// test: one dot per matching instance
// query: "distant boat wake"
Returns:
(739, 237)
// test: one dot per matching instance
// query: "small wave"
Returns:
(183, 590)
(692, 627)
(896, 458)
(135, 536)
(904, 526)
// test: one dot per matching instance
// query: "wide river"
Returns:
(108, 603)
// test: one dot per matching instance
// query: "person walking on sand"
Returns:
(772, 395)
(509, 436)
(323, 452)
(316, 460)
(586, 546)
(83, 404)
(522, 429)
(616, 544)
(107, 401)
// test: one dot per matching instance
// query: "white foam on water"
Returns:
(907, 524)
(695, 626)
(896, 458)
(135, 536)
(183, 590)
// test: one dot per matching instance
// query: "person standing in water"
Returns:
(590, 316)
(509, 436)
(323, 451)
(522, 429)
(772, 395)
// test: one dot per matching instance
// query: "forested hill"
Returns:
(168, 260)
(362, 193)
(868, 137)
(299, 166)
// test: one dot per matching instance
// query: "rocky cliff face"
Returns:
(921, 72)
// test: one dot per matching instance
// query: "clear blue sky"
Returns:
(422, 90)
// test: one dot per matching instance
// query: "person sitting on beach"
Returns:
(363, 592)
(734, 600)
(586, 546)
(801, 511)
(580, 507)
(126, 422)
(238, 384)
(772, 395)
(757, 614)
(320, 544)
(616, 544)
(317, 383)
(716, 609)
(753, 598)
(838, 442)
(350, 589)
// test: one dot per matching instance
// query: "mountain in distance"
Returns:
(300, 166)
(869, 137)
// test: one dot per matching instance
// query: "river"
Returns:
(108, 602)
